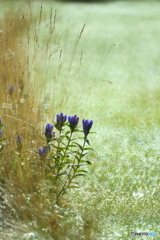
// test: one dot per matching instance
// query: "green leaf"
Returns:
(84, 154)
(78, 175)
(88, 162)
(2, 139)
(71, 145)
(68, 138)
(79, 171)
(87, 141)
(77, 130)
(78, 158)
(53, 145)
(41, 137)
(85, 163)
(61, 174)
(89, 149)
(73, 186)
(76, 153)
(78, 145)
(68, 132)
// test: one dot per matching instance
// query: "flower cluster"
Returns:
(59, 125)
(61, 156)
(73, 122)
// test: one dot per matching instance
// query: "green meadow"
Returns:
(99, 61)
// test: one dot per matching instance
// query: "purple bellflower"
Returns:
(61, 119)
(48, 133)
(1, 122)
(19, 143)
(87, 124)
(43, 152)
(73, 122)
(11, 89)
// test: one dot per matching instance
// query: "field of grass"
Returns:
(101, 62)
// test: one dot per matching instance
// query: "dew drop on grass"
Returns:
(13, 210)
(22, 100)
(139, 142)
(4, 105)
(22, 208)
(46, 106)
(138, 195)
(35, 110)
(27, 199)
(28, 236)
(126, 152)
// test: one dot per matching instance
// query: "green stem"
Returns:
(66, 149)
(69, 179)
(56, 161)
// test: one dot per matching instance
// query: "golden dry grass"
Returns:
(22, 87)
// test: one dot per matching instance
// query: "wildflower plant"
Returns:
(64, 154)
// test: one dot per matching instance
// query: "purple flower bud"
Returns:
(43, 152)
(1, 134)
(49, 128)
(48, 133)
(86, 126)
(11, 89)
(61, 119)
(73, 122)
(19, 143)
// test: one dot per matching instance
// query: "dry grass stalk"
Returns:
(20, 100)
